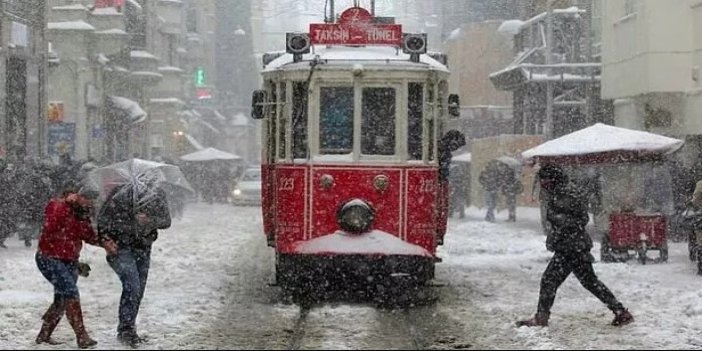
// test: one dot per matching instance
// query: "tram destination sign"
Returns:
(355, 27)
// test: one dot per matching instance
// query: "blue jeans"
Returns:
(132, 268)
(63, 275)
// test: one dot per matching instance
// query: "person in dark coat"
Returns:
(8, 196)
(450, 142)
(511, 188)
(66, 226)
(567, 214)
(490, 180)
(131, 217)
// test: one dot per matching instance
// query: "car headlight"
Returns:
(236, 192)
(355, 216)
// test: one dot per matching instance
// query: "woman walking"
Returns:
(66, 225)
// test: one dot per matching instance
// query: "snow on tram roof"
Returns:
(374, 55)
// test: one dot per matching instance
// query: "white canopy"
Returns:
(602, 141)
(131, 109)
(209, 154)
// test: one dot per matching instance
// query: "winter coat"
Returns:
(490, 179)
(566, 212)
(118, 217)
(64, 231)
(513, 187)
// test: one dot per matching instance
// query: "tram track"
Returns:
(357, 326)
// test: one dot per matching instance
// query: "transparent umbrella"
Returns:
(142, 177)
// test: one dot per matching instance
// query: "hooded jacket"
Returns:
(118, 221)
(566, 212)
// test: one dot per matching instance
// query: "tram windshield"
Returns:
(336, 120)
(378, 120)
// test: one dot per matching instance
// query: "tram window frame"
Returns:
(430, 116)
(273, 122)
(282, 121)
(323, 105)
(415, 119)
(374, 121)
(300, 120)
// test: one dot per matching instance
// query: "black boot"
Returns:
(539, 320)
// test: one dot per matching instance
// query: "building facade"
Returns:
(651, 55)
(23, 67)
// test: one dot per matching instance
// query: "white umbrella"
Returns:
(209, 154)
(142, 176)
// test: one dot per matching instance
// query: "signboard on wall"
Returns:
(19, 34)
(56, 111)
(61, 138)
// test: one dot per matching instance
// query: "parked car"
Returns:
(247, 190)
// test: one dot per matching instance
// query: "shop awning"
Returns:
(130, 109)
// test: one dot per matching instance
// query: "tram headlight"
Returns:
(355, 216)
(236, 192)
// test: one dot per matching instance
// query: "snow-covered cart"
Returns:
(628, 186)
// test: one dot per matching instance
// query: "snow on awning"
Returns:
(209, 154)
(601, 143)
(465, 157)
(130, 109)
(70, 25)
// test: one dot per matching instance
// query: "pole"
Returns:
(332, 18)
(373, 8)
(548, 124)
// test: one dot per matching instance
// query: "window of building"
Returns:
(191, 20)
(336, 120)
(629, 7)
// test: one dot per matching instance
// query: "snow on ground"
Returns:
(500, 266)
(207, 291)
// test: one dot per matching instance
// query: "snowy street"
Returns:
(208, 289)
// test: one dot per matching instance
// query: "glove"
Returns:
(83, 269)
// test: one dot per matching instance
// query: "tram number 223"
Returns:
(286, 184)
(427, 186)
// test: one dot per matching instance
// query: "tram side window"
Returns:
(272, 143)
(431, 103)
(282, 122)
(415, 114)
(378, 121)
(336, 120)
(299, 119)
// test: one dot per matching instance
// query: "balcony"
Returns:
(144, 68)
(68, 13)
(110, 41)
(106, 18)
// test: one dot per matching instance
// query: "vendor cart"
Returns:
(628, 186)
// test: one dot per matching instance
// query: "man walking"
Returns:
(131, 217)
(566, 213)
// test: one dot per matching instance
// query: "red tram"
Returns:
(351, 117)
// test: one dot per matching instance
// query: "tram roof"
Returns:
(375, 56)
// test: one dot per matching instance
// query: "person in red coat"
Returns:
(66, 226)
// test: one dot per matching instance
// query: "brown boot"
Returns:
(51, 319)
(75, 317)
(539, 320)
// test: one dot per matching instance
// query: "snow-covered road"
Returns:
(208, 289)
